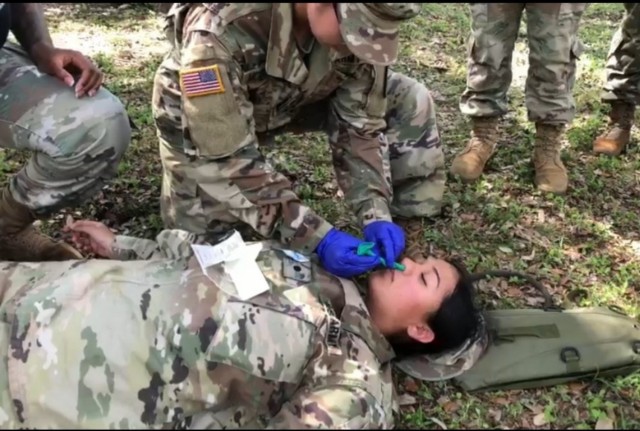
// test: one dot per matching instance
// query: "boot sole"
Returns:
(610, 153)
(464, 179)
(550, 190)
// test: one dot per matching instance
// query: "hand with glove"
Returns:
(388, 238)
(338, 253)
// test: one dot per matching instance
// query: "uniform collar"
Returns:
(284, 59)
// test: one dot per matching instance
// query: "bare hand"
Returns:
(61, 63)
(91, 237)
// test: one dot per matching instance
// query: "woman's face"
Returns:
(405, 298)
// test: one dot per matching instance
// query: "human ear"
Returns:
(421, 333)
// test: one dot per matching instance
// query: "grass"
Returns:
(584, 245)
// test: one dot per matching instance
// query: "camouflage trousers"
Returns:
(414, 160)
(554, 47)
(7, 411)
(76, 143)
(623, 60)
(8, 418)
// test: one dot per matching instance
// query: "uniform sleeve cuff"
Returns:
(374, 210)
(309, 246)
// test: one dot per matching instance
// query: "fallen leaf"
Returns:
(505, 249)
(514, 291)
(531, 256)
(451, 407)
(577, 386)
(534, 301)
(406, 400)
(535, 408)
(501, 401)
(410, 385)
(539, 419)
(604, 423)
(496, 414)
(437, 96)
(467, 217)
(439, 422)
(573, 254)
(440, 65)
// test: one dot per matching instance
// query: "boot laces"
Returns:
(483, 134)
(549, 142)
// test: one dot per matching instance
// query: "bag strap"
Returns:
(548, 299)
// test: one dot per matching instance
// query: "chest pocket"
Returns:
(266, 342)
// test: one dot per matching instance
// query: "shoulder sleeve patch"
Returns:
(201, 81)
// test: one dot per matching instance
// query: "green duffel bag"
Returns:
(531, 348)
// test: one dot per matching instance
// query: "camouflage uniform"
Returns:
(76, 144)
(153, 343)
(381, 125)
(552, 34)
(622, 88)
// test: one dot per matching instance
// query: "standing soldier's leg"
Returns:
(77, 144)
(494, 32)
(554, 47)
(622, 89)
(416, 159)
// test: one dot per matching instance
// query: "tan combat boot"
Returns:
(415, 244)
(470, 162)
(616, 138)
(551, 175)
(21, 242)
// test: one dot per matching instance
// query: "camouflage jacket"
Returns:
(155, 343)
(264, 81)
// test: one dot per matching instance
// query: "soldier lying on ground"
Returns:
(52, 104)
(153, 341)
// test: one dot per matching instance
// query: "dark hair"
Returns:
(456, 321)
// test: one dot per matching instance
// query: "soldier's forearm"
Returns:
(360, 171)
(29, 26)
(262, 198)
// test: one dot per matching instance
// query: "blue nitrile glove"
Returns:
(338, 253)
(388, 238)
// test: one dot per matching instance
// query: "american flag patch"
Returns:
(201, 81)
